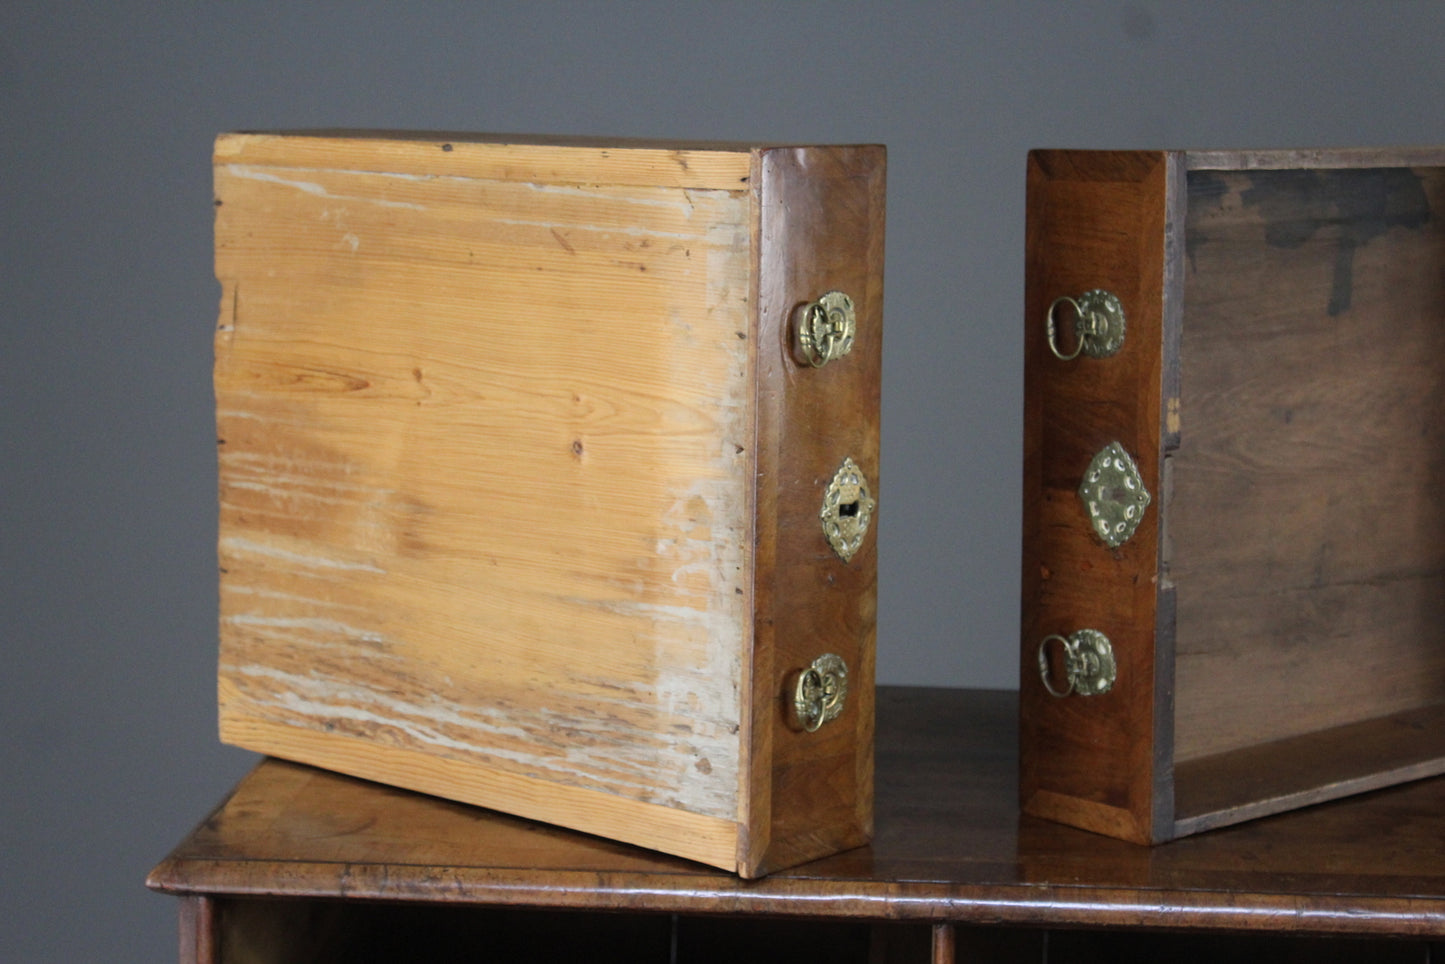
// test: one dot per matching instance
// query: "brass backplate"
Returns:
(1089, 665)
(1098, 325)
(817, 693)
(825, 329)
(1114, 496)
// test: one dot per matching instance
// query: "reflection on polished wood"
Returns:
(950, 846)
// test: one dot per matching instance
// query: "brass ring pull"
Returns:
(1098, 325)
(1089, 666)
(1044, 672)
(825, 330)
(817, 693)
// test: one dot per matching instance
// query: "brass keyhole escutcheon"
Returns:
(1114, 495)
(824, 330)
(1098, 325)
(1089, 668)
(816, 694)
(847, 510)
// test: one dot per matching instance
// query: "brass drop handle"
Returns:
(815, 695)
(1098, 325)
(824, 330)
(1089, 668)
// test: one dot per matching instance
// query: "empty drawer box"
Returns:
(1234, 483)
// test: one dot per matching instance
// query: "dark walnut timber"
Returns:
(1276, 616)
(821, 227)
(318, 858)
(1095, 221)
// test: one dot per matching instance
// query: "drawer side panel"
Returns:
(486, 478)
(1095, 220)
(821, 223)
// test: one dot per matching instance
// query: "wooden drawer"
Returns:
(1277, 618)
(526, 493)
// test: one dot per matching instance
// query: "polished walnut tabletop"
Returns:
(950, 845)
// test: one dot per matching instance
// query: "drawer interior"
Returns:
(1305, 505)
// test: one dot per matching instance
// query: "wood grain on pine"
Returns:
(472, 508)
(720, 167)
(490, 493)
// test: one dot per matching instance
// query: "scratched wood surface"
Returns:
(487, 418)
(1308, 519)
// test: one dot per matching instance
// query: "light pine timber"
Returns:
(487, 418)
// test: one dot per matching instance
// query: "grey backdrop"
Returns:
(107, 506)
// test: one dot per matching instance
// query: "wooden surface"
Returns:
(950, 846)
(523, 159)
(1095, 220)
(1276, 617)
(492, 485)
(1308, 521)
(472, 510)
(821, 224)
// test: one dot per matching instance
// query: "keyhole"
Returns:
(848, 510)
